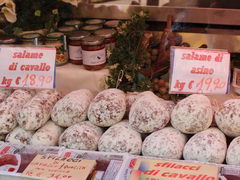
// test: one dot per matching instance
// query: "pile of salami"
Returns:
(113, 121)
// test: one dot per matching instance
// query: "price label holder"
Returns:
(202, 71)
(151, 169)
(27, 67)
(59, 168)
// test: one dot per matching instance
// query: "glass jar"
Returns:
(93, 52)
(94, 22)
(74, 46)
(56, 39)
(8, 39)
(92, 28)
(113, 24)
(31, 39)
(66, 29)
(74, 23)
(109, 36)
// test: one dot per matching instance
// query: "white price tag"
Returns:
(27, 67)
(199, 71)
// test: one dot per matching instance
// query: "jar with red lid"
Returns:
(66, 29)
(109, 36)
(93, 53)
(74, 46)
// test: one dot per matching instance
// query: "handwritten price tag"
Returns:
(199, 71)
(27, 67)
(59, 168)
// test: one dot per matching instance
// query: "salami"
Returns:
(9, 109)
(47, 135)
(19, 136)
(165, 143)
(72, 108)
(107, 108)
(82, 136)
(192, 114)
(4, 93)
(206, 146)
(37, 111)
(148, 113)
(233, 152)
(121, 138)
(227, 118)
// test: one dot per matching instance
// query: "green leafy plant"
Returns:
(38, 14)
(128, 58)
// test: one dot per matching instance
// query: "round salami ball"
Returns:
(121, 138)
(206, 146)
(19, 136)
(192, 114)
(227, 118)
(81, 136)
(107, 108)
(148, 113)
(165, 143)
(72, 108)
(233, 152)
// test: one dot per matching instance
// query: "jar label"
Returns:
(75, 52)
(94, 57)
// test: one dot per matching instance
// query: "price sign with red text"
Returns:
(199, 71)
(27, 67)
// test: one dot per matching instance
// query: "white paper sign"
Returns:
(27, 67)
(199, 71)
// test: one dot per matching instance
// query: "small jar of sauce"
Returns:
(109, 36)
(74, 23)
(8, 39)
(94, 22)
(93, 53)
(92, 28)
(74, 46)
(56, 39)
(66, 29)
(32, 39)
(113, 24)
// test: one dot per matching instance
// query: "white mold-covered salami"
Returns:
(47, 135)
(72, 108)
(82, 136)
(206, 146)
(4, 93)
(130, 99)
(9, 109)
(148, 113)
(121, 138)
(192, 114)
(107, 108)
(233, 152)
(170, 106)
(228, 118)
(165, 143)
(19, 136)
(37, 111)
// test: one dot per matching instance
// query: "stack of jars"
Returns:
(88, 44)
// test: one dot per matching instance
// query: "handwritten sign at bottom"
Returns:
(59, 168)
